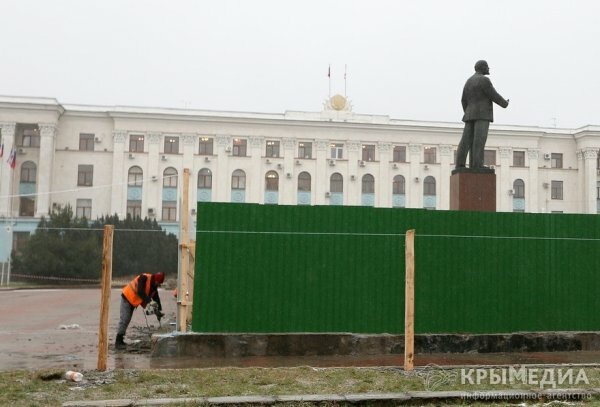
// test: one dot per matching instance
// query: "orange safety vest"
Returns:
(131, 289)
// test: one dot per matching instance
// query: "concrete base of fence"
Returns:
(197, 345)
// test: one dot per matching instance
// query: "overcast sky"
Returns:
(405, 59)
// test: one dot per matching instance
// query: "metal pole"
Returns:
(409, 298)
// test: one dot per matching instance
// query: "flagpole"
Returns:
(345, 93)
(329, 77)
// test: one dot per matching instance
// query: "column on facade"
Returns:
(504, 183)
(414, 181)
(188, 141)
(532, 203)
(320, 179)
(119, 175)
(444, 181)
(255, 181)
(383, 183)
(353, 186)
(152, 177)
(45, 167)
(590, 155)
(222, 190)
(7, 175)
(288, 177)
(580, 182)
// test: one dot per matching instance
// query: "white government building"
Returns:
(129, 160)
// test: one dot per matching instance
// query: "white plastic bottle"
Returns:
(73, 376)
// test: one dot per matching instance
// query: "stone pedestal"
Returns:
(473, 190)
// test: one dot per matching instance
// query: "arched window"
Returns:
(238, 180)
(205, 178)
(272, 181)
(135, 177)
(429, 185)
(398, 185)
(368, 184)
(28, 172)
(519, 188)
(170, 177)
(304, 181)
(336, 183)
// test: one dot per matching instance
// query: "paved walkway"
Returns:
(415, 396)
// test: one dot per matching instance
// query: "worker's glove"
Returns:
(159, 315)
(152, 308)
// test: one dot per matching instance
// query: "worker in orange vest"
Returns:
(142, 290)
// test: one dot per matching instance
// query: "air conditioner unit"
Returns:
(545, 185)
(395, 166)
(268, 161)
(97, 139)
(327, 194)
(492, 167)
(511, 192)
(332, 162)
(207, 159)
(298, 162)
(426, 167)
(288, 174)
(131, 156)
(193, 212)
(228, 149)
(547, 156)
(164, 158)
(280, 166)
(150, 211)
(352, 177)
(416, 179)
(21, 151)
(154, 178)
(361, 163)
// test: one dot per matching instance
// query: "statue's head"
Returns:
(482, 67)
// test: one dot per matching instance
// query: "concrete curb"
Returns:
(424, 396)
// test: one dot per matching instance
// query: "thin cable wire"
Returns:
(96, 229)
(87, 188)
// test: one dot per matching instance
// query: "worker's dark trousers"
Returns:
(472, 142)
(125, 313)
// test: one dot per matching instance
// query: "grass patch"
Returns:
(49, 388)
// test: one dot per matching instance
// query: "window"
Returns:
(134, 209)
(169, 210)
(399, 155)
(429, 186)
(20, 240)
(28, 172)
(171, 145)
(26, 206)
(28, 135)
(170, 177)
(135, 177)
(429, 156)
(272, 148)
(239, 147)
(206, 146)
(304, 181)
(336, 183)
(518, 158)
(272, 181)
(368, 152)
(85, 175)
(556, 160)
(337, 151)
(83, 208)
(136, 144)
(519, 188)
(86, 142)
(398, 185)
(489, 157)
(304, 149)
(238, 180)
(368, 184)
(557, 190)
(205, 178)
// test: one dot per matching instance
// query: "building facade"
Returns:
(129, 160)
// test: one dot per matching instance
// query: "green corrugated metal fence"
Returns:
(270, 268)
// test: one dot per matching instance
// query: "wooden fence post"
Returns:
(409, 301)
(105, 296)
(182, 286)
